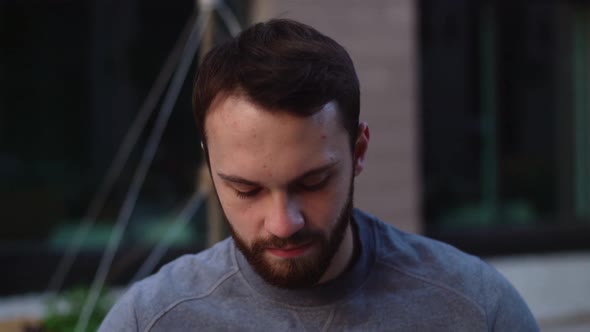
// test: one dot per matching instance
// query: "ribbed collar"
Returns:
(326, 293)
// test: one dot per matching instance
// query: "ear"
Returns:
(360, 147)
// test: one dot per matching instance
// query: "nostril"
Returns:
(284, 224)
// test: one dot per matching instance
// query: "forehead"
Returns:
(236, 106)
(241, 135)
(234, 114)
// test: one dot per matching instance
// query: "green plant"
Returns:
(64, 310)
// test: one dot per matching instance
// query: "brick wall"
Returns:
(380, 36)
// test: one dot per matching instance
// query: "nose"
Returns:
(284, 218)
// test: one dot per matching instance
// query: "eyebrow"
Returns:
(314, 171)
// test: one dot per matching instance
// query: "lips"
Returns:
(290, 251)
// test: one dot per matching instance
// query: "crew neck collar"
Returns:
(326, 293)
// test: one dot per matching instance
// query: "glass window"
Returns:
(505, 123)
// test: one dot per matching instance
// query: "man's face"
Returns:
(285, 185)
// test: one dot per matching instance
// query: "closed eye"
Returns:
(247, 194)
(315, 182)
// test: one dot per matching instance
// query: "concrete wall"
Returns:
(380, 36)
(555, 286)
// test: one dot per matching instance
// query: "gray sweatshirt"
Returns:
(399, 282)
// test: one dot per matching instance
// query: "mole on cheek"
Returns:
(268, 171)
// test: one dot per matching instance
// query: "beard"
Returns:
(301, 271)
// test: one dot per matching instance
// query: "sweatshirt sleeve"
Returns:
(505, 308)
(121, 317)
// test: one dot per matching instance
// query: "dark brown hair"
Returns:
(280, 65)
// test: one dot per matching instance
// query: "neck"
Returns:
(342, 258)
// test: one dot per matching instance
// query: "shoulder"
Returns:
(187, 278)
(423, 259)
(447, 272)
(427, 258)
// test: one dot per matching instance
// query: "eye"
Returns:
(247, 194)
(315, 182)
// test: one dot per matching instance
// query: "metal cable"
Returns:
(192, 206)
(147, 157)
(231, 22)
(229, 19)
(182, 219)
(121, 158)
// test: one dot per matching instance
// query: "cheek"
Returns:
(238, 212)
(323, 208)
(242, 222)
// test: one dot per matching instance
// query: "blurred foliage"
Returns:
(64, 310)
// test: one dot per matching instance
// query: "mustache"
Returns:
(299, 238)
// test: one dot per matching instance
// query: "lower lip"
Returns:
(290, 253)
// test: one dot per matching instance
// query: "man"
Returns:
(278, 109)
